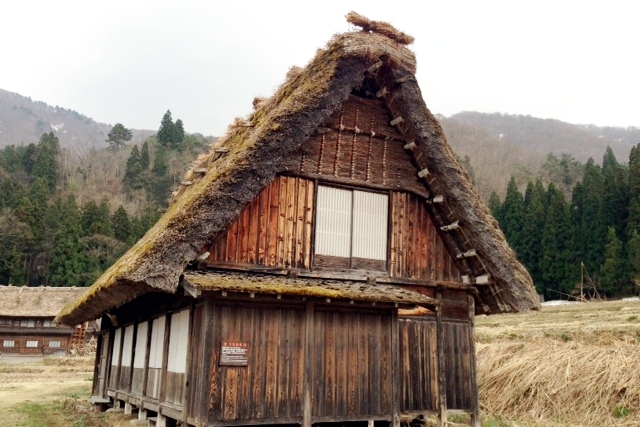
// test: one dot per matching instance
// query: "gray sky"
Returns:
(129, 61)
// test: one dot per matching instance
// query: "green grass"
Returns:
(60, 413)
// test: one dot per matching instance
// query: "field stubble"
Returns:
(567, 365)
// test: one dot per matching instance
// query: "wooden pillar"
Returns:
(142, 414)
(187, 406)
(475, 399)
(308, 365)
(161, 421)
(442, 375)
(395, 368)
(128, 408)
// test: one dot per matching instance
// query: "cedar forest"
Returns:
(66, 216)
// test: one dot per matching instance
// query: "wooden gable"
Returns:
(358, 149)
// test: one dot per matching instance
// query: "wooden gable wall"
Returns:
(358, 148)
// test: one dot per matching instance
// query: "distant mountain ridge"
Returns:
(23, 121)
(554, 136)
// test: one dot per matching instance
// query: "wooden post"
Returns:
(475, 400)
(186, 386)
(442, 375)
(395, 368)
(165, 359)
(308, 365)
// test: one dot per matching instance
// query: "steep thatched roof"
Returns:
(42, 301)
(255, 150)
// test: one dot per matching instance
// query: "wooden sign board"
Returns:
(233, 353)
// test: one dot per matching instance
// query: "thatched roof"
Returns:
(306, 287)
(254, 150)
(42, 301)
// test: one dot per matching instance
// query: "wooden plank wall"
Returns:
(458, 360)
(417, 251)
(362, 146)
(352, 371)
(419, 361)
(20, 343)
(271, 385)
(199, 370)
(275, 229)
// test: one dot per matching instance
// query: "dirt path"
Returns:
(40, 380)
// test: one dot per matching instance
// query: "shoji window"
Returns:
(178, 342)
(127, 346)
(141, 345)
(351, 228)
(115, 354)
(156, 350)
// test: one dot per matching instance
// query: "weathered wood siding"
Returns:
(361, 146)
(419, 361)
(177, 358)
(417, 251)
(352, 373)
(114, 369)
(29, 342)
(124, 380)
(275, 229)
(458, 360)
(270, 386)
(199, 370)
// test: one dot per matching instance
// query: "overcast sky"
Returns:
(129, 61)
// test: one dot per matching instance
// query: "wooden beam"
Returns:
(201, 170)
(475, 399)
(395, 368)
(309, 352)
(396, 121)
(410, 146)
(442, 376)
(375, 67)
(468, 254)
(381, 93)
(424, 172)
(221, 150)
(453, 226)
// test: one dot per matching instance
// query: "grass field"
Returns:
(565, 366)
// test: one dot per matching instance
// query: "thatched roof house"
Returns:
(339, 189)
(26, 319)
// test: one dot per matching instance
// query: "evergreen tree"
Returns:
(532, 231)
(495, 206)
(177, 141)
(512, 214)
(633, 256)
(121, 225)
(558, 270)
(160, 181)
(131, 179)
(615, 193)
(68, 261)
(96, 219)
(166, 132)
(588, 219)
(118, 137)
(46, 164)
(145, 157)
(634, 190)
(612, 277)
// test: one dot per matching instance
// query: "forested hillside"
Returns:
(589, 240)
(69, 213)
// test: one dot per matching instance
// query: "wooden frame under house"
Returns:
(323, 264)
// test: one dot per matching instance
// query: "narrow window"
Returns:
(351, 229)
(8, 343)
(54, 344)
(32, 344)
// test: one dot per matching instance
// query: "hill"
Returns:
(499, 146)
(23, 121)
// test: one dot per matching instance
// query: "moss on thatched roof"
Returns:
(255, 149)
(305, 287)
(43, 301)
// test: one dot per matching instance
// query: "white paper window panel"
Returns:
(115, 353)
(31, 323)
(32, 344)
(333, 222)
(141, 345)
(370, 222)
(178, 342)
(54, 344)
(24, 323)
(156, 349)
(8, 343)
(127, 346)
(47, 324)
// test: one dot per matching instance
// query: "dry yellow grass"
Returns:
(573, 365)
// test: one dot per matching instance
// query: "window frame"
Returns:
(351, 262)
